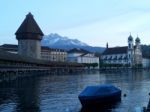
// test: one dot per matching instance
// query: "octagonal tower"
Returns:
(29, 36)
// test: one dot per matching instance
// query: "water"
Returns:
(59, 93)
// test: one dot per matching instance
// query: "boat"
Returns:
(99, 96)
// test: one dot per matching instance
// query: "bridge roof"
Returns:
(6, 56)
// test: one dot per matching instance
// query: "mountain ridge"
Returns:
(54, 40)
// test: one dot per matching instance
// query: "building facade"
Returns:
(130, 55)
(82, 56)
(50, 54)
(47, 53)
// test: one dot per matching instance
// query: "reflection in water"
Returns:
(24, 93)
(103, 108)
(59, 93)
(28, 96)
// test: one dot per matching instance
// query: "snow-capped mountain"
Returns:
(57, 41)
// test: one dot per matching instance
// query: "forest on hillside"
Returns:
(145, 50)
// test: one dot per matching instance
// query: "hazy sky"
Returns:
(94, 22)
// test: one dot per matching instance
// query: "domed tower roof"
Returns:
(29, 29)
(130, 38)
(137, 40)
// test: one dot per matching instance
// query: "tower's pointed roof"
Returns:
(130, 38)
(29, 26)
(137, 40)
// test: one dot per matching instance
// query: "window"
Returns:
(129, 45)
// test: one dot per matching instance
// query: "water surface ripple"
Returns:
(59, 93)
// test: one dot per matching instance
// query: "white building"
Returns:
(82, 56)
(130, 55)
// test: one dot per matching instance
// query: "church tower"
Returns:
(138, 52)
(130, 50)
(137, 42)
(29, 36)
(107, 45)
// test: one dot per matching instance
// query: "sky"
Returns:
(94, 22)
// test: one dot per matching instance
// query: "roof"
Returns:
(45, 48)
(15, 48)
(6, 56)
(78, 50)
(84, 54)
(130, 38)
(16, 57)
(28, 26)
(9, 47)
(115, 50)
(137, 40)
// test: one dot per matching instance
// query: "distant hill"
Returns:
(57, 41)
(145, 50)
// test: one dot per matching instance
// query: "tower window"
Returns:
(129, 45)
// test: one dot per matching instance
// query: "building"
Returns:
(82, 56)
(25, 57)
(130, 55)
(15, 61)
(29, 36)
(11, 48)
(47, 53)
(50, 54)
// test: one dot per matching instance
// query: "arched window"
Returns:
(129, 45)
(129, 55)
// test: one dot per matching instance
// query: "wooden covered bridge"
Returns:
(14, 65)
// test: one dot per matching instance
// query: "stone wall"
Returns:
(30, 48)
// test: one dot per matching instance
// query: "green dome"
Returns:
(137, 40)
(130, 38)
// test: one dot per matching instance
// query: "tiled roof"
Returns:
(28, 29)
(78, 50)
(84, 54)
(115, 50)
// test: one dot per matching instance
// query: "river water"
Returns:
(59, 93)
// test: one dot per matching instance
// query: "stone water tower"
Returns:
(29, 36)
